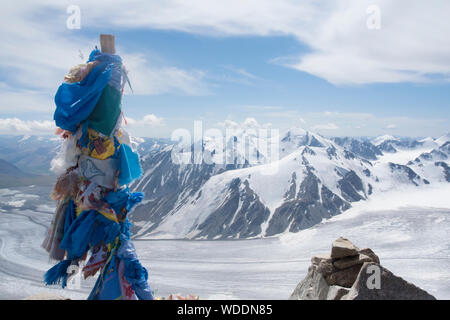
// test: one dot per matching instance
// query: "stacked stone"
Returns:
(343, 275)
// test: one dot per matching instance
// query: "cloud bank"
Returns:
(17, 126)
(411, 44)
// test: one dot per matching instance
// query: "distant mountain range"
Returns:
(29, 153)
(12, 176)
(317, 178)
(249, 195)
(25, 160)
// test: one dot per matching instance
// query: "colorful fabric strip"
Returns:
(106, 112)
(75, 101)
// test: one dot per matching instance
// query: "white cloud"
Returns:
(148, 125)
(129, 121)
(152, 120)
(344, 123)
(230, 124)
(325, 126)
(145, 121)
(149, 79)
(410, 46)
(24, 101)
(259, 108)
(35, 52)
(248, 123)
(236, 75)
(18, 126)
(38, 50)
(243, 72)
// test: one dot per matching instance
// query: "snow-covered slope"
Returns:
(435, 165)
(442, 140)
(296, 138)
(170, 183)
(407, 228)
(391, 144)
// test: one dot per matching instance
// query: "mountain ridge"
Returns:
(318, 180)
(248, 195)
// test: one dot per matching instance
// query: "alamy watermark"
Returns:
(237, 147)
(74, 19)
(374, 280)
(373, 21)
(74, 277)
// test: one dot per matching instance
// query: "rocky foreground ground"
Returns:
(350, 273)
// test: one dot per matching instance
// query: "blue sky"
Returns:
(312, 65)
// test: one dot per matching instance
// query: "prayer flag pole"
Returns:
(107, 43)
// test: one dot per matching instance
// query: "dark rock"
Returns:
(342, 248)
(446, 169)
(332, 202)
(326, 267)
(413, 177)
(317, 259)
(229, 222)
(337, 292)
(313, 287)
(386, 146)
(368, 252)
(391, 287)
(306, 209)
(354, 281)
(344, 278)
(290, 194)
(348, 262)
(351, 186)
(363, 149)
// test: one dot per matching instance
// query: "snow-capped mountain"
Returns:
(360, 147)
(234, 189)
(296, 138)
(29, 153)
(381, 139)
(434, 164)
(442, 140)
(314, 179)
(169, 183)
(391, 144)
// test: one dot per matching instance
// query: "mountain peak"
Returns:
(442, 140)
(380, 139)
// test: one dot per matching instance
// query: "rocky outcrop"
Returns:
(313, 287)
(350, 273)
(364, 149)
(343, 248)
(392, 287)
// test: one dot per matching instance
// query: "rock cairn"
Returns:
(350, 273)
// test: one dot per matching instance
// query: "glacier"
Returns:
(408, 228)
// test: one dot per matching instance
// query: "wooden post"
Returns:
(107, 43)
